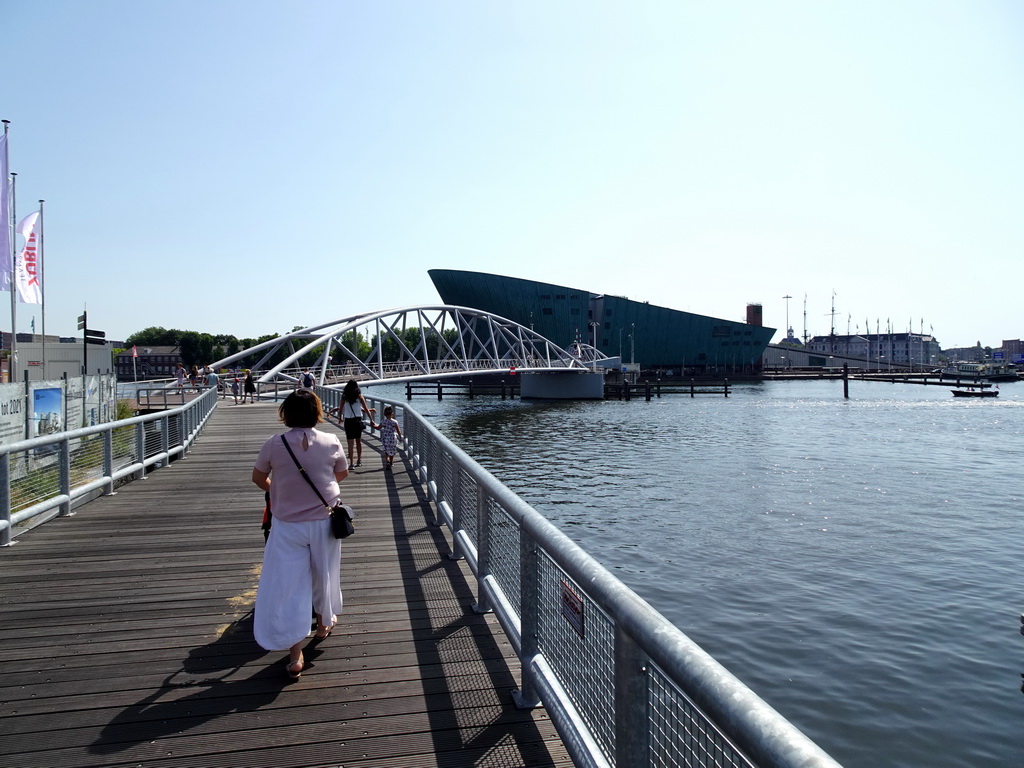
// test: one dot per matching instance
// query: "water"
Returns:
(856, 562)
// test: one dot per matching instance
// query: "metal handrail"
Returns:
(64, 470)
(623, 686)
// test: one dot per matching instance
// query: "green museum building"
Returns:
(653, 337)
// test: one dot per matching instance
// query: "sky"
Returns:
(248, 167)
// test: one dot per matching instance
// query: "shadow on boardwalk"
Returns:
(126, 633)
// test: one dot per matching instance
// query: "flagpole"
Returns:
(42, 284)
(6, 217)
(12, 365)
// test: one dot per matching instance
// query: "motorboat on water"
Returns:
(975, 392)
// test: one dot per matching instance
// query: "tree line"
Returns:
(198, 348)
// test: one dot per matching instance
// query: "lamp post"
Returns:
(632, 338)
(593, 329)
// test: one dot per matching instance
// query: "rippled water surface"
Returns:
(858, 563)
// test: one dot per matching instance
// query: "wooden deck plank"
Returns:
(126, 639)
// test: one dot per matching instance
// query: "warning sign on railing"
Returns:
(572, 608)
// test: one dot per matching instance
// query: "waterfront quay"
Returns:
(126, 632)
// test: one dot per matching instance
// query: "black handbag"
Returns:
(341, 514)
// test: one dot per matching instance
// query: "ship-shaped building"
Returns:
(651, 337)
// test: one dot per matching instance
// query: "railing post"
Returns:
(5, 499)
(108, 460)
(483, 551)
(632, 733)
(64, 475)
(529, 620)
(455, 504)
(140, 449)
(165, 438)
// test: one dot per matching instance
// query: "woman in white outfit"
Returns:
(302, 559)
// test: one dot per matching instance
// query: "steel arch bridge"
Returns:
(408, 344)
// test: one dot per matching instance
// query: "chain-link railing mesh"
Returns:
(681, 735)
(578, 642)
(504, 552)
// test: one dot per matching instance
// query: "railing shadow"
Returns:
(207, 672)
(456, 640)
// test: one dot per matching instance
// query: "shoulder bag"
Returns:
(341, 514)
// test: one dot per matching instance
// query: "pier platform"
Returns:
(126, 633)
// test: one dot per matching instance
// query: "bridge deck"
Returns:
(125, 634)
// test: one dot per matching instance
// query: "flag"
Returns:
(30, 290)
(6, 234)
(135, 352)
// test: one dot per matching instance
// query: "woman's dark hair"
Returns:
(351, 392)
(301, 409)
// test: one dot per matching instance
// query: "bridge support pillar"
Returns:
(568, 385)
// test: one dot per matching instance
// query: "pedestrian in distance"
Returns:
(179, 376)
(249, 387)
(390, 434)
(212, 380)
(193, 377)
(236, 388)
(302, 558)
(353, 406)
(306, 380)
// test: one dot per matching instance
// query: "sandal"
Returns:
(322, 633)
(294, 673)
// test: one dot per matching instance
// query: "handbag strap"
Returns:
(304, 475)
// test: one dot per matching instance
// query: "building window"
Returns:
(559, 296)
(574, 310)
(547, 311)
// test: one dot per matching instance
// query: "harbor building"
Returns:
(44, 358)
(879, 350)
(651, 337)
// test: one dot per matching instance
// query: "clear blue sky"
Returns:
(247, 166)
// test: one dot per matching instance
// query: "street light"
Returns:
(787, 297)
(593, 326)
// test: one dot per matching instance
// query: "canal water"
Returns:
(857, 563)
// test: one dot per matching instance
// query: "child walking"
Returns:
(390, 433)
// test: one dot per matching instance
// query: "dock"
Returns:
(126, 633)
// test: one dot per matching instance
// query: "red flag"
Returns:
(135, 352)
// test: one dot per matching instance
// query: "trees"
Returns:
(195, 348)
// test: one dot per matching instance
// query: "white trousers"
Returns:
(301, 568)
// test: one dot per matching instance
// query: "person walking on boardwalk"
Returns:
(353, 406)
(249, 387)
(179, 376)
(235, 388)
(302, 558)
(193, 377)
(390, 434)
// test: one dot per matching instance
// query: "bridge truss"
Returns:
(407, 344)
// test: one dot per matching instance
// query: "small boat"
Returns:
(975, 392)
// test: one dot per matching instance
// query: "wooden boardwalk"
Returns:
(126, 633)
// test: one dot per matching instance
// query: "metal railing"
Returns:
(57, 473)
(623, 686)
